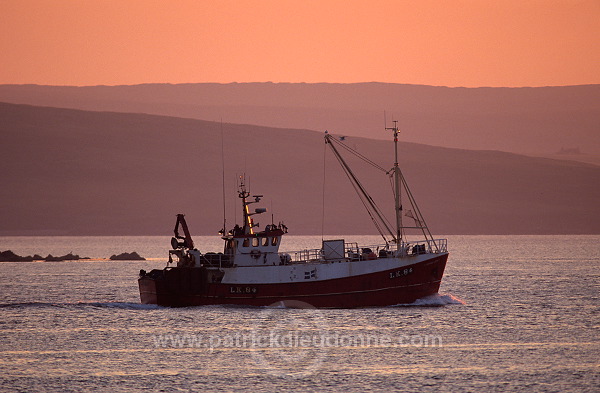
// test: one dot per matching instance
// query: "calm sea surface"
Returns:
(515, 313)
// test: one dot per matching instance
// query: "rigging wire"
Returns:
(361, 196)
(357, 154)
(369, 203)
(383, 218)
(323, 201)
(364, 196)
(420, 218)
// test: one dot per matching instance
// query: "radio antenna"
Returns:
(223, 178)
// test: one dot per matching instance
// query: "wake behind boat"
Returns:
(252, 271)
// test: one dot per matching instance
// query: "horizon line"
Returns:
(298, 83)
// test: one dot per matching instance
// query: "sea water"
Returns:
(514, 313)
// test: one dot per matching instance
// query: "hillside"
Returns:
(72, 172)
(539, 121)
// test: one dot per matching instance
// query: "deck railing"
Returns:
(354, 252)
(215, 259)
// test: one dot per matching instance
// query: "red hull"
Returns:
(185, 288)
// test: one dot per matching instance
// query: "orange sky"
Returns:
(443, 42)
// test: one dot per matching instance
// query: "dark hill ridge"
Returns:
(71, 172)
(533, 121)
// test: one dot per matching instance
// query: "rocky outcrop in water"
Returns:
(9, 256)
(67, 257)
(133, 256)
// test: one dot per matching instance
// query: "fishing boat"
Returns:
(250, 270)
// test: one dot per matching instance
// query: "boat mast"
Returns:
(243, 194)
(249, 225)
(398, 201)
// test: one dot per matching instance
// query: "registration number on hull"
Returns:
(401, 273)
(248, 290)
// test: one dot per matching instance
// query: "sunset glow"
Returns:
(457, 43)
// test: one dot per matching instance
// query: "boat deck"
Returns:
(351, 252)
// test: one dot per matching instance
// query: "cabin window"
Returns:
(246, 242)
(274, 240)
(265, 241)
(254, 242)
